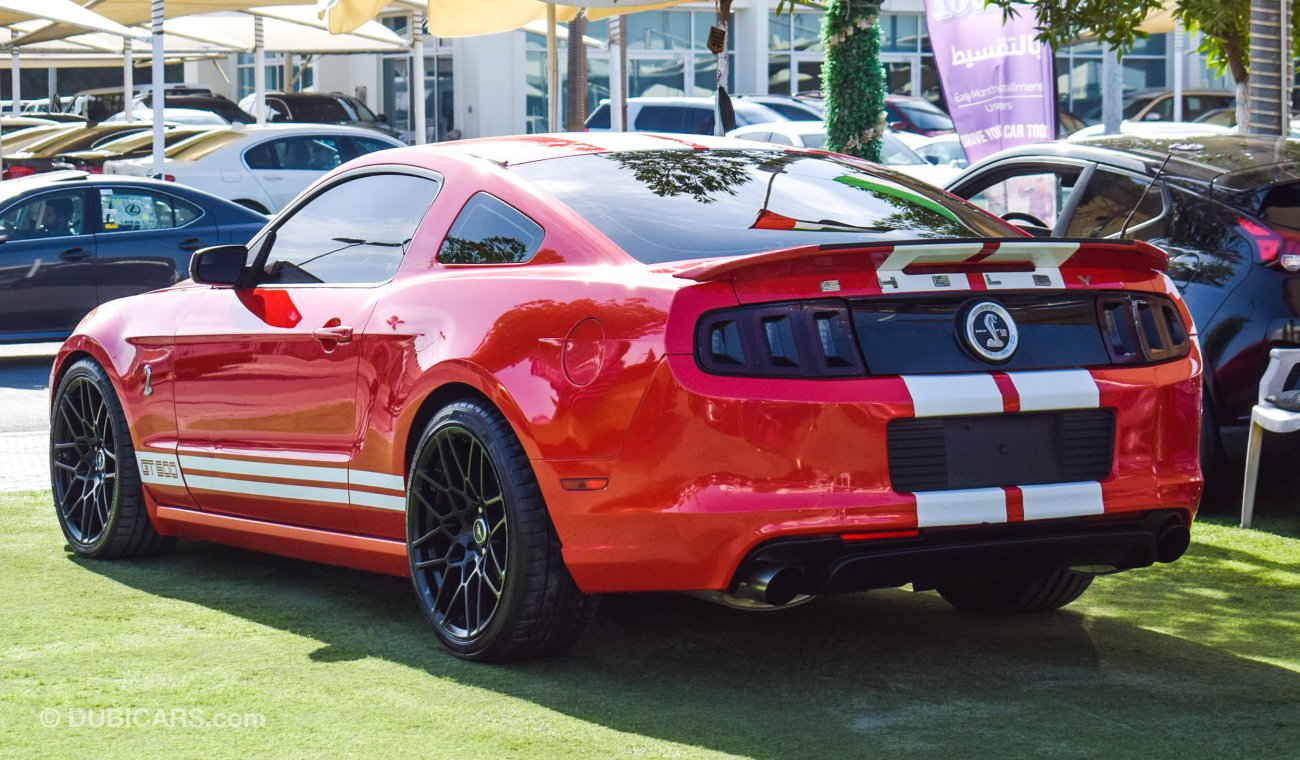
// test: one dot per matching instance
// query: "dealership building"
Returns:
(496, 84)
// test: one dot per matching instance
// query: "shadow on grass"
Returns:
(888, 671)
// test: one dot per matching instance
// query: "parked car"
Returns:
(10, 125)
(100, 103)
(904, 113)
(1158, 105)
(262, 168)
(790, 107)
(1155, 129)
(70, 242)
(221, 106)
(38, 156)
(942, 150)
(692, 116)
(320, 108)
(14, 142)
(1227, 213)
(526, 371)
(133, 145)
(190, 116)
(894, 153)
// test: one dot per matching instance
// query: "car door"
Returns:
(267, 389)
(145, 239)
(285, 166)
(47, 264)
(1038, 195)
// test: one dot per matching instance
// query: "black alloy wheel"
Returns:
(484, 557)
(93, 473)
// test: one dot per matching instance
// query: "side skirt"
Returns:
(375, 555)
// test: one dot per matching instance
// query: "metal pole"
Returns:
(1112, 106)
(552, 71)
(287, 75)
(16, 77)
(128, 79)
(1178, 72)
(417, 78)
(259, 70)
(51, 87)
(159, 87)
(616, 76)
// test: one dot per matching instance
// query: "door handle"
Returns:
(333, 334)
(75, 254)
(192, 244)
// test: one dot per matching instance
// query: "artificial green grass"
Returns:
(1196, 659)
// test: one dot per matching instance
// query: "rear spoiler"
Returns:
(905, 259)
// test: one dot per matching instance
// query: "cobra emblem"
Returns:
(991, 324)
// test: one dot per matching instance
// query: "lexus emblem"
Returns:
(990, 332)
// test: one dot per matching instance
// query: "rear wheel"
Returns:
(1014, 595)
(93, 472)
(484, 557)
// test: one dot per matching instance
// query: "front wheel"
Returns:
(1039, 593)
(483, 554)
(93, 473)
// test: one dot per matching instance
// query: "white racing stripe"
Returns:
(1053, 500)
(326, 485)
(939, 395)
(974, 506)
(1056, 389)
(264, 469)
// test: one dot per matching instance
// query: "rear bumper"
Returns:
(714, 468)
(830, 564)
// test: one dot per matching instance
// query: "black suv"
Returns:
(1226, 209)
(320, 108)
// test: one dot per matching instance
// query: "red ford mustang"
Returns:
(527, 371)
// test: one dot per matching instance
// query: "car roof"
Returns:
(506, 151)
(72, 178)
(784, 127)
(1238, 167)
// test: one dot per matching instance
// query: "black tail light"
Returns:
(1142, 329)
(804, 339)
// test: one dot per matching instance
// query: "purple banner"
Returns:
(996, 78)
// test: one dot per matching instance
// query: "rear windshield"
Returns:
(673, 205)
(925, 116)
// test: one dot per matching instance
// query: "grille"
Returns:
(985, 451)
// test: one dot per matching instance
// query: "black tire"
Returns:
(1009, 596)
(484, 557)
(93, 472)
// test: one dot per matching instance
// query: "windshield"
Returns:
(894, 153)
(318, 110)
(673, 205)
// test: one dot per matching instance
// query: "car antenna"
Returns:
(1173, 148)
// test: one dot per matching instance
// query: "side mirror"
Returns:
(1152, 116)
(933, 160)
(382, 117)
(218, 265)
(4, 237)
(897, 126)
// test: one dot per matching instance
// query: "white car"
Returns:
(812, 134)
(1155, 129)
(262, 168)
(190, 116)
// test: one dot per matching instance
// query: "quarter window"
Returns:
(49, 216)
(490, 231)
(354, 232)
(132, 210)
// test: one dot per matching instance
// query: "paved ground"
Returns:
(24, 425)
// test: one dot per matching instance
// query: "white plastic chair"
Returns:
(1266, 416)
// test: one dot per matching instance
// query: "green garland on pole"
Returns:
(853, 79)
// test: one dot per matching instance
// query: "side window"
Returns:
(132, 209)
(779, 139)
(1040, 194)
(48, 216)
(659, 119)
(490, 231)
(304, 152)
(354, 232)
(363, 145)
(262, 156)
(697, 121)
(1107, 201)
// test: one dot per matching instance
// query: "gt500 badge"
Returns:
(990, 332)
(160, 469)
